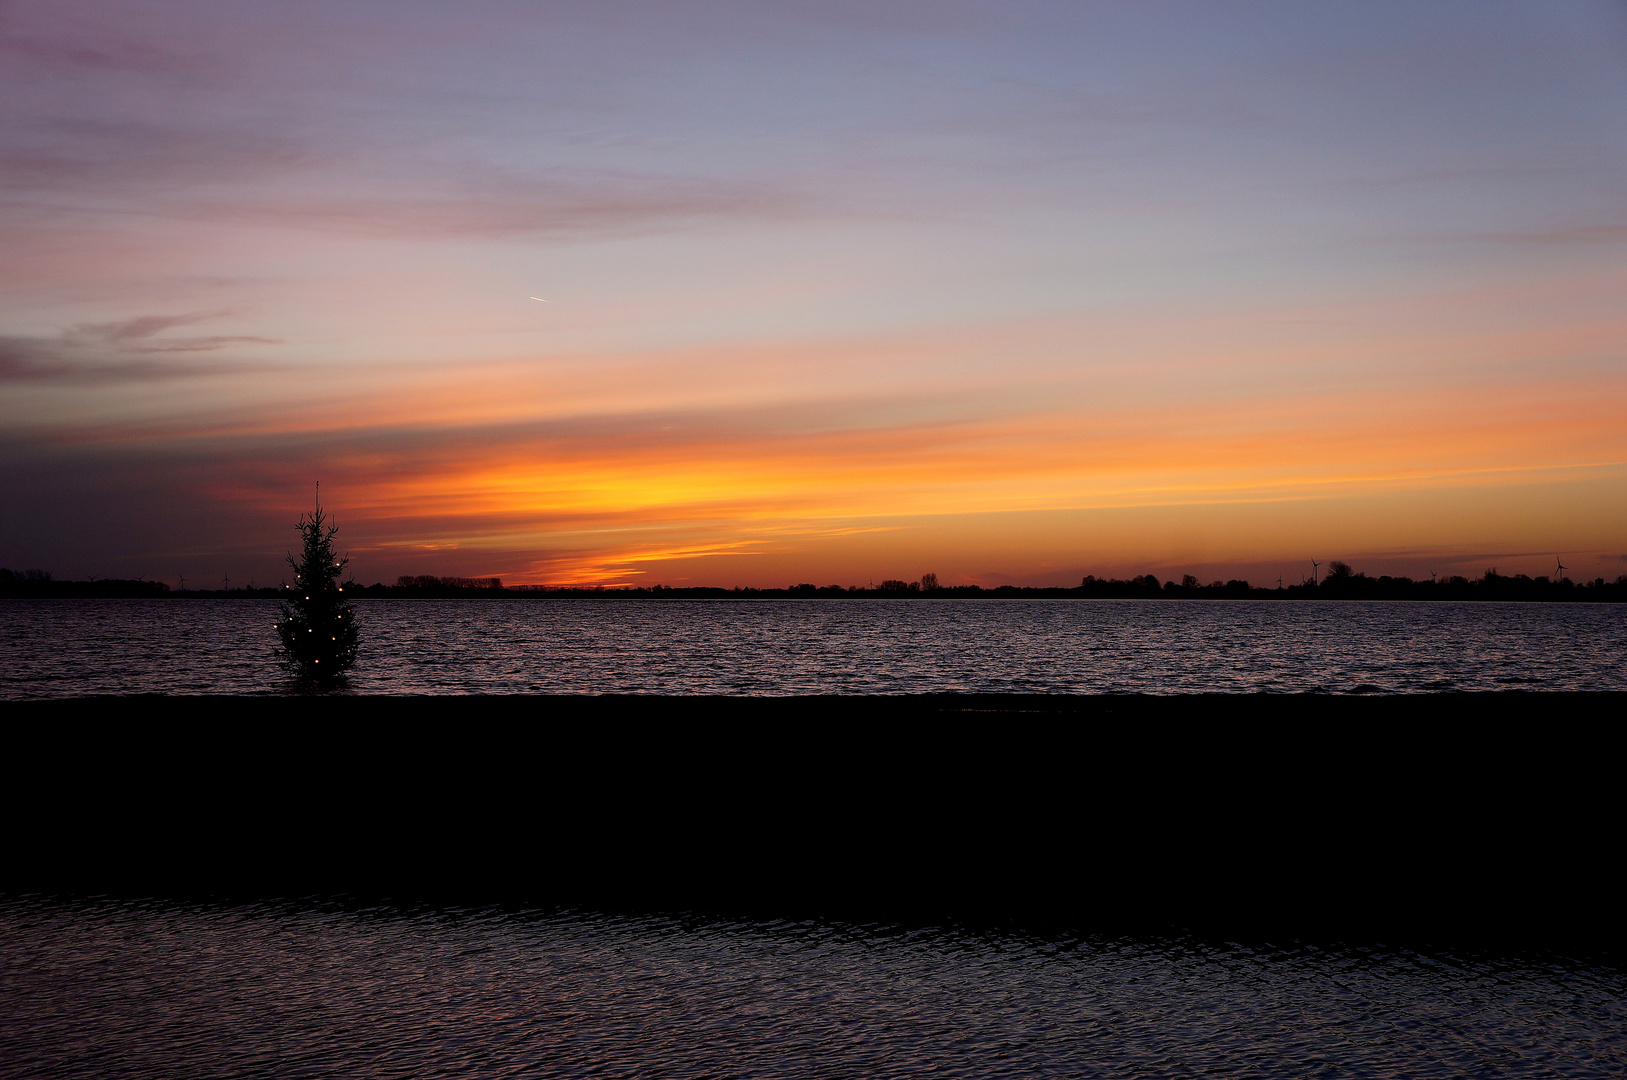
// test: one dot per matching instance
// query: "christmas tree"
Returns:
(318, 629)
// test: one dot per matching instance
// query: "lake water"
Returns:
(57, 648)
(112, 989)
(326, 987)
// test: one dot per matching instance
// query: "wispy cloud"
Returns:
(67, 42)
(127, 350)
(269, 178)
(56, 161)
(1608, 233)
(493, 203)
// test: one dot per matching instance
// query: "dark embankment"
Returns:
(1491, 818)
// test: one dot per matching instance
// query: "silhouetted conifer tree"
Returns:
(318, 629)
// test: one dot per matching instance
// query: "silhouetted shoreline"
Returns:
(1485, 818)
(1351, 586)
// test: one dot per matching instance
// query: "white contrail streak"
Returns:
(541, 300)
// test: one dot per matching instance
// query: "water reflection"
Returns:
(110, 989)
(53, 648)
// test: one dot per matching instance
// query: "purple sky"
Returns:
(1011, 292)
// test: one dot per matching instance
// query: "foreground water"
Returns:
(56, 648)
(128, 989)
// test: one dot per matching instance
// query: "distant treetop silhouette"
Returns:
(318, 627)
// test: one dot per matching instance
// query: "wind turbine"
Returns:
(1559, 569)
(1314, 565)
(182, 586)
(226, 583)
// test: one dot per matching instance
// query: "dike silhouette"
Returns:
(1490, 820)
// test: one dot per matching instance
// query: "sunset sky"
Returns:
(836, 292)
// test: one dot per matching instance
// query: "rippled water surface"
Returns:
(52, 648)
(121, 989)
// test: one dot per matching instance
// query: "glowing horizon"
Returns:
(832, 295)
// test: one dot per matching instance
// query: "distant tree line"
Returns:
(40, 583)
(1342, 582)
(429, 584)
